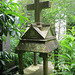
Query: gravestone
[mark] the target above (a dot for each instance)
(60, 28)
(38, 38)
(5, 45)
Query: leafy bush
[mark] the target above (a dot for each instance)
(8, 12)
(28, 59)
(67, 54)
(6, 59)
(14, 41)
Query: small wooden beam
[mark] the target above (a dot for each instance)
(20, 63)
(35, 59)
(30, 7)
(45, 5)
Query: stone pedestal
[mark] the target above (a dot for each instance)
(38, 69)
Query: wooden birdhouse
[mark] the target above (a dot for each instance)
(38, 38)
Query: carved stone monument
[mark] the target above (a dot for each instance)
(38, 37)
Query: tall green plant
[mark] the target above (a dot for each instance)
(67, 54)
(8, 12)
(5, 59)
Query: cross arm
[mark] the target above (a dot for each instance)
(30, 7)
(45, 4)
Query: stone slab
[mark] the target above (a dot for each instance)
(38, 70)
(6, 44)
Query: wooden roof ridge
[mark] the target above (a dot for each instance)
(42, 33)
(38, 30)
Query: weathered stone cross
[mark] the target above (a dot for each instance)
(38, 6)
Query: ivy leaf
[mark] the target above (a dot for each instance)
(12, 7)
(3, 63)
(16, 7)
(3, 38)
(11, 17)
(18, 33)
(2, 3)
(24, 18)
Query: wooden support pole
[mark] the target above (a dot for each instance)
(56, 59)
(20, 63)
(1, 47)
(35, 59)
(45, 63)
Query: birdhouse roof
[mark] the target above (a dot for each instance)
(34, 32)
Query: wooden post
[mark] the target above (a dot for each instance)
(45, 63)
(20, 54)
(1, 48)
(35, 59)
(56, 59)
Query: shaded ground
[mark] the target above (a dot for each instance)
(38, 70)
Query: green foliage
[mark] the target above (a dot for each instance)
(6, 58)
(23, 9)
(67, 54)
(60, 9)
(8, 12)
(28, 59)
(14, 42)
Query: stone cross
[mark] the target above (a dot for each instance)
(38, 6)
